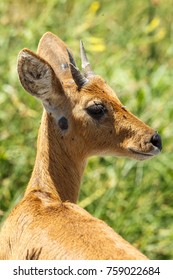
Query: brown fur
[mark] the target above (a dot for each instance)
(47, 224)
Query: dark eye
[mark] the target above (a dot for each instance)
(96, 111)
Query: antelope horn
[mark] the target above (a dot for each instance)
(79, 79)
(85, 63)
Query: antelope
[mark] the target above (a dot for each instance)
(82, 117)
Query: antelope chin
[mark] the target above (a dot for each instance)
(139, 155)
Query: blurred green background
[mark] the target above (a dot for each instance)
(130, 44)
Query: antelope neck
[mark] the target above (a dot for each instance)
(55, 171)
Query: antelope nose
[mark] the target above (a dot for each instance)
(156, 141)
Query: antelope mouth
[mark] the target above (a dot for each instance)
(142, 155)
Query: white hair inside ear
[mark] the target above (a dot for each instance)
(36, 75)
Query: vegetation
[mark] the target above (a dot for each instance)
(129, 43)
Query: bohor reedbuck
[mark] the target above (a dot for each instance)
(82, 117)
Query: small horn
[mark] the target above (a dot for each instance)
(79, 79)
(85, 63)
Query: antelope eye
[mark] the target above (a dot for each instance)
(96, 111)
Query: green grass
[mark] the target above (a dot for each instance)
(129, 43)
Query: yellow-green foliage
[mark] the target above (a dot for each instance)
(129, 43)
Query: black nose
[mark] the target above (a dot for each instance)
(156, 141)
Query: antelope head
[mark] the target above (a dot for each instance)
(85, 112)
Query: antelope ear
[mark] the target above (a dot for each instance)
(37, 76)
